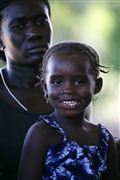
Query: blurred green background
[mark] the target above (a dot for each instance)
(96, 23)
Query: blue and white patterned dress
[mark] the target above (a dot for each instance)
(70, 161)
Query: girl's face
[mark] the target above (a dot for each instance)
(70, 85)
(26, 31)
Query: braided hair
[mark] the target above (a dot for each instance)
(71, 48)
(4, 4)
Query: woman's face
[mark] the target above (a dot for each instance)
(26, 31)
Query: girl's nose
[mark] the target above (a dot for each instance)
(68, 87)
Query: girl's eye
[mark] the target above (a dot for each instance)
(78, 82)
(41, 21)
(57, 82)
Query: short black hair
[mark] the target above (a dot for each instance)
(71, 47)
(5, 3)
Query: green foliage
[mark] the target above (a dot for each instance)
(94, 22)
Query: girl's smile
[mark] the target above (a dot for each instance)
(70, 83)
(71, 104)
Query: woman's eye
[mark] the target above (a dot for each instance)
(41, 21)
(18, 27)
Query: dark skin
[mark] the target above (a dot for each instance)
(26, 35)
(22, 30)
(70, 87)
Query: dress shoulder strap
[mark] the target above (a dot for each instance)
(105, 135)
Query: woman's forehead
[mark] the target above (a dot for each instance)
(18, 8)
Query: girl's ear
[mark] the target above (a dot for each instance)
(45, 90)
(98, 85)
(1, 44)
(43, 84)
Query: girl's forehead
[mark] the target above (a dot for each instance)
(75, 58)
(70, 63)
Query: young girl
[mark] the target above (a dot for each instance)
(64, 145)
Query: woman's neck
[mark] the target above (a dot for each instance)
(21, 77)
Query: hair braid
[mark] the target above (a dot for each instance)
(73, 47)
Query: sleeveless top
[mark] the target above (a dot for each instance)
(14, 125)
(70, 161)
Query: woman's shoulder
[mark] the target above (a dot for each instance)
(3, 94)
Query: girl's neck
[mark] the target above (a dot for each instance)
(21, 77)
(69, 121)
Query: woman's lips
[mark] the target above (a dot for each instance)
(37, 50)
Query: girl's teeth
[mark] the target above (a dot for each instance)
(70, 103)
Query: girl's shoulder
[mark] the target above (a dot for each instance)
(96, 127)
(98, 132)
(45, 133)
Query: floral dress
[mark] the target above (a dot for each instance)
(70, 161)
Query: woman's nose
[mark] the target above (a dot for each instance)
(33, 32)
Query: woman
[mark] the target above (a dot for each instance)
(25, 36)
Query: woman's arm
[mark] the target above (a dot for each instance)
(112, 162)
(33, 153)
